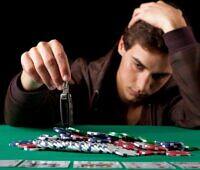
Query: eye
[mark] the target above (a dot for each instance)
(139, 66)
(157, 77)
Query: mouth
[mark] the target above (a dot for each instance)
(133, 92)
(137, 95)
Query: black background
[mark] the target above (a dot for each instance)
(85, 28)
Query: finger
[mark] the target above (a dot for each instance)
(61, 58)
(135, 13)
(148, 4)
(135, 19)
(28, 67)
(40, 68)
(180, 12)
(51, 64)
(161, 2)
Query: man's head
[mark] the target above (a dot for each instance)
(144, 66)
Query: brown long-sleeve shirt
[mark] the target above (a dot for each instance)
(95, 96)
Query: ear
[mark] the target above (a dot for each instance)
(121, 48)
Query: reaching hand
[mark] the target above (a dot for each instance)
(46, 64)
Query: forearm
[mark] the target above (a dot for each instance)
(184, 54)
(28, 108)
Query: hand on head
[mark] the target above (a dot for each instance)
(160, 15)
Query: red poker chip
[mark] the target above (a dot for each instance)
(78, 137)
(119, 142)
(28, 145)
(129, 146)
(177, 153)
(140, 145)
(145, 152)
(154, 147)
(159, 152)
(125, 145)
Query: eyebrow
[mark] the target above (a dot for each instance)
(139, 62)
(157, 74)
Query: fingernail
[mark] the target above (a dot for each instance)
(52, 88)
(65, 77)
(60, 87)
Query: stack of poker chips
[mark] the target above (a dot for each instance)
(73, 140)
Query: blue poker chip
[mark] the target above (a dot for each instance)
(172, 145)
(14, 143)
(17, 143)
(65, 137)
(97, 134)
(99, 140)
(61, 130)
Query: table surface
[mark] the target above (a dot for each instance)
(161, 133)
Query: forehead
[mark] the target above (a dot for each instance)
(154, 61)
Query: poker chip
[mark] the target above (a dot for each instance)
(126, 145)
(99, 140)
(177, 153)
(122, 144)
(61, 131)
(172, 145)
(97, 134)
(73, 130)
(115, 136)
(145, 152)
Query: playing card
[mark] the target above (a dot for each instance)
(187, 165)
(97, 164)
(10, 163)
(147, 165)
(44, 164)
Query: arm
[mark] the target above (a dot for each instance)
(185, 62)
(40, 107)
(184, 53)
(31, 98)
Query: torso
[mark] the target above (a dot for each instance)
(134, 115)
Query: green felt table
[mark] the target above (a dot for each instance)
(162, 133)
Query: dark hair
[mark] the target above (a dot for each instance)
(148, 36)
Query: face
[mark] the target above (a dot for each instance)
(141, 73)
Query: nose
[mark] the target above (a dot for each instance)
(143, 83)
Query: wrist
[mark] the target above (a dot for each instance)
(173, 26)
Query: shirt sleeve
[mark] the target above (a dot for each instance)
(184, 55)
(35, 108)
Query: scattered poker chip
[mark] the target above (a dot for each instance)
(99, 140)
(145, 152)
(172, 145)
(97, 134)
(114, 136)
(177, 153)
(32, 149)
(122, 144)
(128, 137)
(28, 145)
(61, 131)
(73, 130)
(126, 145)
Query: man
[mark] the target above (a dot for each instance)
(151, 78)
